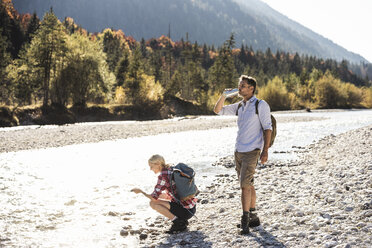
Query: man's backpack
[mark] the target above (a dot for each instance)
(184, 177)
(273, 122)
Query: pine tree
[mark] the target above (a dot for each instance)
(112, 47)
(223, 73)
(5, 59)
(32, 27)
(12, 30)
(296, 65)
(135, 72)
(143, 48)
(155, 64)
(206, 59)
(194, 86)
(4, 55)
(122, 69)
(242, 55)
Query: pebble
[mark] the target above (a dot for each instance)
(134, 232)
(112, 213)
(143, 236)
(361, 224)
(349, 209)
(124, 232)
(331, 244)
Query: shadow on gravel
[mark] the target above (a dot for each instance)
(266, 239)
(189, 239)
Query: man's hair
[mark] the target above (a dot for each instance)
(249, 80)
(158, 159)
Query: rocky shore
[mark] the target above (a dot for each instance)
(324, 199)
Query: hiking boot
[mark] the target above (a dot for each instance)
(179, 225)
(245, 224)
(254, 220)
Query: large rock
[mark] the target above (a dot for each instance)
(174, 106)
(55, 114)
(7, 118)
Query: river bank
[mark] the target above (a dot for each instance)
(36, 136)
(55, 114)
(322, 200)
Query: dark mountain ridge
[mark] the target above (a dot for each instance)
(253, 22)
(297, 37)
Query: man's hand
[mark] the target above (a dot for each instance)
(224, 93)
(136, 190)
(264, 156)
(219, 104)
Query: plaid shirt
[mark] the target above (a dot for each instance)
(163, 186)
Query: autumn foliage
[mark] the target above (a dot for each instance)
(50, 61)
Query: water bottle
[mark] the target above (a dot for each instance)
(231, 93)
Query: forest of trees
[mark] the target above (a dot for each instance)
(207, 21)
(52, 62)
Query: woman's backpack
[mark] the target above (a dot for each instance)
(184, 178)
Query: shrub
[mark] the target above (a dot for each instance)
(276, 95)
(367, 97)
(212, 99)
(354, 95)
(294, 101)
(119, 95)
(150, 91)
(329, 93)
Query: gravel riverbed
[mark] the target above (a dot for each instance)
(36, 137)
(322, 200)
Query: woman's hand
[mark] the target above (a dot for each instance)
(136, 190)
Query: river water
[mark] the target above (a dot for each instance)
(79, 195)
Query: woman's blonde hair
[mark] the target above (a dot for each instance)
(157, 159)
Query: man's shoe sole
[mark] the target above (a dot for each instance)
(176, 231)
(250, 225)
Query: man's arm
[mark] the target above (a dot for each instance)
(265, 119)
(265, 152)
(219, 104)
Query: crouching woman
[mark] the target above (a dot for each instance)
(164, 201)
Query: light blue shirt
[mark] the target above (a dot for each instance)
(250, 125)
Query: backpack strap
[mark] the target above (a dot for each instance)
(257, 102)
(171, 179)
(240, 104)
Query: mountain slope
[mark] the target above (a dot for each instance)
(205, 21)
(296, 36)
